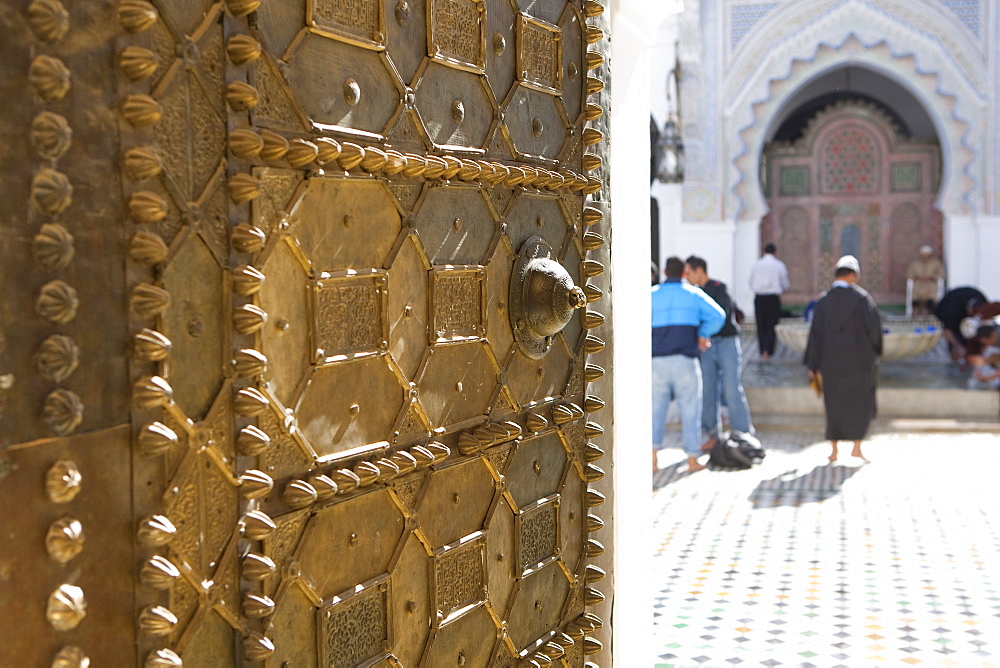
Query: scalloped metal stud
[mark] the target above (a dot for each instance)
(137, 63)
(592, 452)
(241, 96)
(142, 163)
(346, 479)
(159, 573)
(70, 656)
(141, 111)
(242, 49)
(247, 239)
(592, 344)
(592, 403)
(152, 392)
(592, 292)
(57, 357)
(252, 441)
(592, 111)
(156, 531)
(240, 8)
(592, 34)
(243, 188)
(62, 412)
(592, 473)
(248, 362)
(592, 498)
(593, 548)
(422, 455)
(157, 621)
(328, 150)
(53, 247)
(247, 280)
(254, 484)
(148, 301)
(591, 268)
(257, 647)
(258, 525)
(274, 145)
(301, 152)
(136, 15)
(325, 487)
(64, 539)
(66, 607)
(350, 156)
(245, 144)
(248, 318)
(257, 567)
(48, 19)
(367, 472)
(374, 160)
(155, 439)
(257, 606)
(63, 481)
(51, 191)
(151, 346)
(594, 523)
(592, 574)
(147, 248)
(50, 78)
(592, 320)
(51, 135)
(163, 658)
(405, 461)
(250, 402)
(439, 450)
(299, 494)
(147, 207)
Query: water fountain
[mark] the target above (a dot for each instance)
(902, 338)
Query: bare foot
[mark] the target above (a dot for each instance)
(693, 465)
(857, 453)
(832, 458)
(656, 462)
(709, 444)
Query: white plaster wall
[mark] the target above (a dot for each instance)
(633, 28)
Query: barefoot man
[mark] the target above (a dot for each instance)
(845, 342)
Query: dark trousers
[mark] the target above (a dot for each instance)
(767, 308)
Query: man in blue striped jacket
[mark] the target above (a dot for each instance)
(684, 320)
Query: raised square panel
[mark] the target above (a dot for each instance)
(460, 574)
(359, 22)
(539, 54)
(458, 33)
(538, 533)
(354, 628)
(458, 296)
(350, 316)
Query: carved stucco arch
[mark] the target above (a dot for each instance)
(830, 40)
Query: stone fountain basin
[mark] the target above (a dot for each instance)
(901, 339)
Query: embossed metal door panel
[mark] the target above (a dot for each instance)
(298, 331)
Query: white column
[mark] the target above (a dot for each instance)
(633, 24)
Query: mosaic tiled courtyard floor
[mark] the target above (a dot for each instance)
(799, 562)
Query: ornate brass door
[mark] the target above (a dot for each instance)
(297, 333)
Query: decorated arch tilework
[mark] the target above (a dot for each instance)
(742, 19)
(969, 12)
(848, 162)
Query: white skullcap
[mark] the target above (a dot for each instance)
(926, 250)
(848, 262)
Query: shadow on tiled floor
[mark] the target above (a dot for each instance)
(797, 562)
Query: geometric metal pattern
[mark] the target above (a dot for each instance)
(259, 391)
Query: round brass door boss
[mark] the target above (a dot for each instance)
(542, 298)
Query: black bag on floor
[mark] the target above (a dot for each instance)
(735, 452)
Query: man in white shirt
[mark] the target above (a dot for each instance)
(768, 279)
